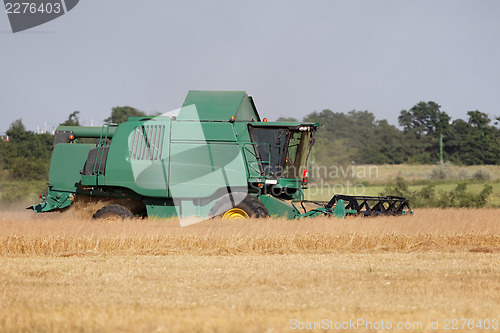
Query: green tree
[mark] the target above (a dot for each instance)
(478, 119)
(73, 119)
(425, 118)
(120, 114)
(422, 126)
(474, 141)
(27, 155)
(483, 141)
(16, 131)
(355, 137)
(288, 119)
(329, 148)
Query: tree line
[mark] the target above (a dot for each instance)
(356, 137)
(25, 155)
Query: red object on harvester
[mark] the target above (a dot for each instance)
(305, 177)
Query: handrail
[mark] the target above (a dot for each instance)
(257, 156)
(100, 149)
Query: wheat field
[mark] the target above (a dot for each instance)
(65, 272)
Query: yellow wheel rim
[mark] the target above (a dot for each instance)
(235, 214)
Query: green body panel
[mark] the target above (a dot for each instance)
(219, 106)
(138, 172)
(241, 130)
(247, 110)
(202, 132)
(89, 180)
(289, 183)
(279, 208)
(54, 200)
(199, 170)
(248, 151)
(185, 208)
(162, 208)
(68, 159)
(314, 212)
(339, 211)
(87, 131)
(65, 165)
(281, 124)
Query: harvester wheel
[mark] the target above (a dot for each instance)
(113, 212)
(246, 207)
(235, 214)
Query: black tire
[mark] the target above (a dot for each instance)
(252, 206)
(113, 211)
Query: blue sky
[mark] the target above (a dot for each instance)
(293, 57)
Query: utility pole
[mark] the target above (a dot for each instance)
(441, 148)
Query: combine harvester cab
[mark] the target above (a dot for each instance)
(214, 157)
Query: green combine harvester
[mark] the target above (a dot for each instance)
(212, 157)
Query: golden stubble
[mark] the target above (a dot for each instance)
(61, 272)
(428, 229)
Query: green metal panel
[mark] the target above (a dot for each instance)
(218, 106)
(289, 183)
(64, 175)
(339, 211)
(248, 149)
(282, 124)
(198, 170)
(242, 134)
(65, 165)
(202, 131)
(89, 180)
(140, 162)
(247, 110)
(87, 131)
(279, 208)
(163, 208)
(162, 211)
(53, 200)
(253, 168)
(187, 208)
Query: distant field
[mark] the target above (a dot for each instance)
(372, 179)
(21, 193)
(381, 174)
(352, 179)
(326, 191)
(63, 273)
(416, 172)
